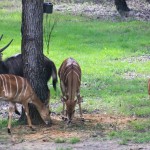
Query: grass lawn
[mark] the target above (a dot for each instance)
(114, 58)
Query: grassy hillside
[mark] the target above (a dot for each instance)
(114, 58)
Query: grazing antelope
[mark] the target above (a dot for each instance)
(70, 80)
(16, 89)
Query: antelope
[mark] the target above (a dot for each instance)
(70, 80)
(16, 89)
(2, 49)
(14, 65)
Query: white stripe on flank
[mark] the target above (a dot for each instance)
(8, 85)
(3, 84)
(10, 92)
(16, 86)
(67, 75)
(5, 81)
(25, 87)
(22, 87)
(77, 75)
(74, 72)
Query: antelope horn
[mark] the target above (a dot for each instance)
(1, 37)
(6, 45)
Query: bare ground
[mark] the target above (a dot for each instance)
(92, 135)
(106, 10)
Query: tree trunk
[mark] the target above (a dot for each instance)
(148, 1)
(32, 51)
(122, 7)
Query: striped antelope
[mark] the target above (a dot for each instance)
(70, 80)
(16, 89)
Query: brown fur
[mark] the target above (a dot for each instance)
(15, 89)
(70, 80)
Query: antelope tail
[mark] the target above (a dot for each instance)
(54, 76)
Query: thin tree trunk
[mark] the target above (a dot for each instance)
(32, 50)
(148, 1)
(122, 7)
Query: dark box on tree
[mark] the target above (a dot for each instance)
(47, 7)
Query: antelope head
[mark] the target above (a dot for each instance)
(45, 114)
(2, 49)
(70, 108)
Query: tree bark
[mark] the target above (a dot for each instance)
(148, 1)
(122, 7)
(32, 51)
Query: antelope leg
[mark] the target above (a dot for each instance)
(80, 109)
(10, 113)
(79, 103)
(64, 116)
(27, 114)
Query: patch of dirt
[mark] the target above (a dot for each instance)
(141, 59)
(106, 10)
(91, 134)
(136, 59)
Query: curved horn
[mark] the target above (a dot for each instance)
(1, 37)
(5, 46)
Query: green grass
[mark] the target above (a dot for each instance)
(60, 140)
(4, 123)
(74, 140)
(137, 131)
(104, 50)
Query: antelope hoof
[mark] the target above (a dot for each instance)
(48, 123)
(9, 132)
(64, 118)
(82, 119)
(32, 129)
